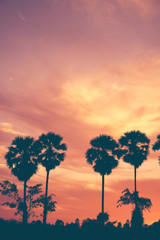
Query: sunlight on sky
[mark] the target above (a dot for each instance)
(7, 127)
(80, 69)
(81, 92)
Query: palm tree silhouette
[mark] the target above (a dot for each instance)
(141, 204)
(134, 150)
(103, 156)
(156, 146)
(129, 198)
(22, 160)
(52, 154)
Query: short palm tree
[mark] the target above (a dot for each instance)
(156, 145)
(103, 156)
(129, 198)
(134, 150)
(52, 154)
(22, 160)
(141, 204)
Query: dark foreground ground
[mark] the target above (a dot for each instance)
(17, 231)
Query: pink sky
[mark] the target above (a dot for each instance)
(80, 69)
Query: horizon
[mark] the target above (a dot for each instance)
(81, 69)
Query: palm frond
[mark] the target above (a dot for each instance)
(103, 154)
(52, 150)
(131, 198)
(135, 147)
(22, 157)
(92, 154)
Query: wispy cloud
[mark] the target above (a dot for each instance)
(3, 150)
(116, 87)
(7, 127)
(80, 69)
(22, 17)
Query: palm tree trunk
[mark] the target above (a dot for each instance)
(46, 200)
(103, 193)
(135, 186)
(103, 197)
(24, 204)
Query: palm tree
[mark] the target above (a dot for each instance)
(134, 150)
(156, 145)
(103, 155)
(141, 204)
(22, 160)
(52, 154)
(129, 198)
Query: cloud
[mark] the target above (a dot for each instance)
(144, 10)
(7, 127)
(3, 150)
(5, 172)
(80, 92)
(22, 17)
(80, 69)
(114, 86)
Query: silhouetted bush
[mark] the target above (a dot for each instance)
(137, 218)
(90, 229)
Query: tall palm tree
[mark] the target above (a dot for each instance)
(103, 155)
(156, 145)
(22, 160)
(52, 154)
(134, 150)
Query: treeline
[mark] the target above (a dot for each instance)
(89, 229)
(25, 154)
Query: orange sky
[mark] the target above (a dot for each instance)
(80, 69)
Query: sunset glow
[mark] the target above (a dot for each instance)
(81, 68)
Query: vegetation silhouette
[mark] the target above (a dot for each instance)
(103, 155)
(89, 229)
(156, 146)
(134, 150)
(127, 198)
(40, 202)
(25, 154)
(22, 160)
(33, 199)
(103, 217)
(51, 155)
(137, 219)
